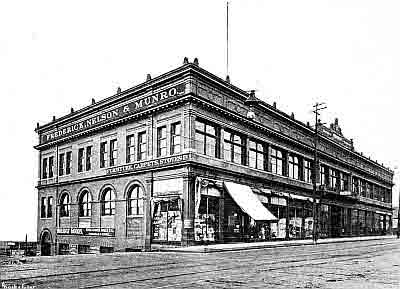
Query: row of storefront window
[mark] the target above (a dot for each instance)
(294, 220)
(135, 198)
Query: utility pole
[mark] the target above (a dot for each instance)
(317, 108)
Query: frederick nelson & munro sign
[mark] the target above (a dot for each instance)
(148, 164)
(116, 113)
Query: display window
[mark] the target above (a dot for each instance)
(167, 221)
(207, 221)
(295, 220)
(278, 229)
(325, 221)
(308, 221)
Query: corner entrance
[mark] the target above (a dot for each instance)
(45, 244)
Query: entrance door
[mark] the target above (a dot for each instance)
(336, 221)
(45, 244)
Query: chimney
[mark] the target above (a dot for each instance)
(93, 101)
(118, 90)
(185, 60)
(148, 77)
(196, 61)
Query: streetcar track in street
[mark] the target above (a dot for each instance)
(330, 256)
(352, 257)
(149, 265)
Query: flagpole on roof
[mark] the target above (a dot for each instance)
(227, 38)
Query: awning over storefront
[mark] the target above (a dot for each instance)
(248, 202)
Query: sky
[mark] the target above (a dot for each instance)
(55, 55)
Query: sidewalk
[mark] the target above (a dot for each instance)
(259, 245)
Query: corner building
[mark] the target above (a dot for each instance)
(188, 158)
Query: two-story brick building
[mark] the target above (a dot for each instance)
(187, 158)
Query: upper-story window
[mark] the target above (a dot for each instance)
(369, 190)
(49, 207)
(130, 148)
(294, 171)
(307, 171)
(81, 153)
(44, 168)
(88, 158)
(61, 164)
(85, 161)
(108, 202)
(48, 167)
(363, 188)
(64, 205)
(234, 147)
(64, 163)
(103, 154)
(68, 162)
(142, 146)
(344, 182)
(113, 152)
(334, 179)
(85, 204)
(276, 160)
(176, 138)
(135, 200)
(356, 187)
(256, 155)
(51, 167)
(43, 207)
(322, 175)
(162, 141)
(206, 138)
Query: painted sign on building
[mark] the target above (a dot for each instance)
(128, 108)
(148, 164)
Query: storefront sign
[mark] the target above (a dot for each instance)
(345, 193)
(148, 164)
(104, 232)
(116, 113)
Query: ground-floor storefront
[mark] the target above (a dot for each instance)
(182, 209)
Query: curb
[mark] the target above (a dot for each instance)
(267, 246)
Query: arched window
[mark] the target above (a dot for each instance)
(108, 202)
(135, 200)
(64, 205)
(85, 204)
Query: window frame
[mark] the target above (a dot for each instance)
(255, 150)
(130, 148)
(205, 136)
(50, 201)
(65, 205)
(162, 148)
(234, 144)
(88, 158)
(107, 205)
(85, 204)
(81, 157)
(176, 141)
(276, 161)
(293, 167)
(135, 204)
(142, 145)
(68, 162)
(113, 152)
(103, 154)
(307, 171)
